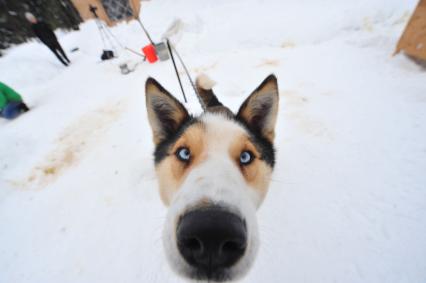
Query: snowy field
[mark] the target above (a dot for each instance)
(78, 196)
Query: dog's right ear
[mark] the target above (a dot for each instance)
(259, 111)
(165, 113)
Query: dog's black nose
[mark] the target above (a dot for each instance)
(211, 239)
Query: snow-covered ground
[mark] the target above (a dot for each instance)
(78, 196)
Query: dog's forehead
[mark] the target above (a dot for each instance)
(221, 130)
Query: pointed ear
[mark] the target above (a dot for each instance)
(165, 113)
(260, 109)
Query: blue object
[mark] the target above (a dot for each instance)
(11, 110)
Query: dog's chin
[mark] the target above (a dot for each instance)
(203, 275)
(198, 275)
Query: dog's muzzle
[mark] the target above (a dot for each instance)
(211, 240)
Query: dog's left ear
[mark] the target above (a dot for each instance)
(260, 109)
(165, 113)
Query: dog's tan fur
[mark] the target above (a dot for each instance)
(217, 159)
(198, 139)
(171, 172)
(258, 173)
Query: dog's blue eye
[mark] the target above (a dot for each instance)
(246, 157)
(183, 154)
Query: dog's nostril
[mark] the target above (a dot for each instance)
(211, 239)
(233, 246)
(192, 244)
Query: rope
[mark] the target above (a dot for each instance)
(186, 72)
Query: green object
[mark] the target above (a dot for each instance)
(8, 95)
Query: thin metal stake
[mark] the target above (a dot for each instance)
(134, 52)
(146, 32)
(176, 70)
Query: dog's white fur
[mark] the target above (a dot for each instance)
(215, 176)
(219, 180)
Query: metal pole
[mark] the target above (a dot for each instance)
(176, 70)
(146, 32)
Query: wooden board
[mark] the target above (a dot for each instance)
(413, 40)
(82, 7)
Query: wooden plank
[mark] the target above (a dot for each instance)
(413, 40)
(82, 7)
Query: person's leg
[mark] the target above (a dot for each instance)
(55, 51)
(59, 47)
(11, 110)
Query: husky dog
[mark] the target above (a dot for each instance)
(213, 173)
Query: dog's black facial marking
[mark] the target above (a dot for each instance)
(262, 144)
(162, 149)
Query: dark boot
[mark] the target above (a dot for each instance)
(56, 52)
(59, 48)
(24, 107)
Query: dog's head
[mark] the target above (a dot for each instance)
(213, 173)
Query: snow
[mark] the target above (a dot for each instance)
(78, 196)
